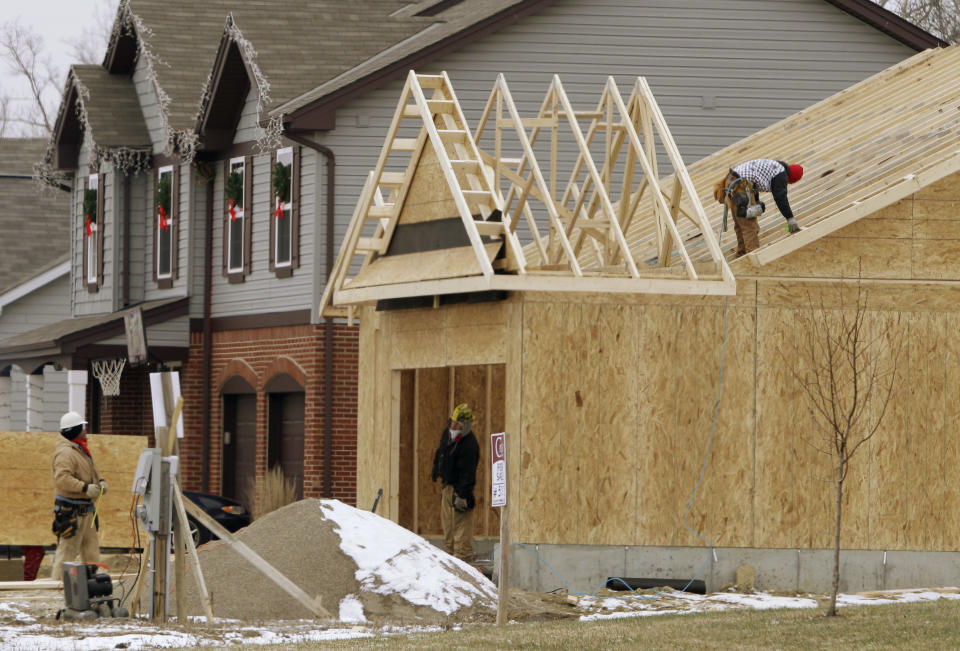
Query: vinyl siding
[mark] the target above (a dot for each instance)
(261, 290)
(45, 305)
(174, 332)
(104, 300)
(139, 261)
(144, 211)
(247, 128)
(720, 71)
(147, 94)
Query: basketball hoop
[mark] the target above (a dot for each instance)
(108, 372)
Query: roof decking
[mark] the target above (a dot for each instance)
(862, 149)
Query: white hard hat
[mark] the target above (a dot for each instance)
(71, 419)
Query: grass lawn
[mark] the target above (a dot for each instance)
(931, 625)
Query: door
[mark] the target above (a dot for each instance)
(239, 447)
(286, 430)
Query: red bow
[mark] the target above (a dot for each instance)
(233, 213)
(278, 213)
(164, 224)
(89, 226)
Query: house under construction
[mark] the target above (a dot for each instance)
(591, 311)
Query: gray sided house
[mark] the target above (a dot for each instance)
(34, 273)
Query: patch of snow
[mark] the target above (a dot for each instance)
(763, 601)
(351, 609)
(393, 560)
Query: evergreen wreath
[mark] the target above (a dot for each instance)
(281, 181)
(234, 189)
(163, 193)
(90, 204)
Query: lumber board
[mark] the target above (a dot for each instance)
(26, 474)
(424, 265)
(369, 441)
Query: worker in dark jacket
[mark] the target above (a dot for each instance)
(764, 175)
(455, 463)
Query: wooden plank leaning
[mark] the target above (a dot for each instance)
(291, 588)
(191, 554)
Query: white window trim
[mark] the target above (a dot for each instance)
(93, 183)
(160, 172)
(276, 226)
(231, 224)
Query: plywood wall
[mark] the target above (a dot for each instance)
(26, 482)
(609, 400)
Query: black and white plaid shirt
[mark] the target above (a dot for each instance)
(761, 171)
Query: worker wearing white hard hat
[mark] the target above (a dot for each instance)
(78, 486)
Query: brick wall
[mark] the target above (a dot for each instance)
(258, 355)
(131, 412)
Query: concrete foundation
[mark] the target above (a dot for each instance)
(585, 568)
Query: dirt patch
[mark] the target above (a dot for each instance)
(305, 544)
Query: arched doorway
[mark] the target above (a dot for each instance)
(239, 439)
(286, 405)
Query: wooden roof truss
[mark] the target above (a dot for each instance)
(568, 241)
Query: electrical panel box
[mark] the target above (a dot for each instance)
(141, 478)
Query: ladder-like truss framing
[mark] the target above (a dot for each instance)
(579, 242)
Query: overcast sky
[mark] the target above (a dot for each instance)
(57, 21)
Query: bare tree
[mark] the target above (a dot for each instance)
(849, 378)
(939, 17)
(22, 50)
(90, 45)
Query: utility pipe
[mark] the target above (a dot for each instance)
(327, 321)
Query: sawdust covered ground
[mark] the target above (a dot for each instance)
(304, 545)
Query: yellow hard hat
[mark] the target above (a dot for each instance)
(462, 413)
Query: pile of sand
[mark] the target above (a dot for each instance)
(363, 568)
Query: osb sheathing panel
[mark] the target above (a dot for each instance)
(765, 483)
(27, 482)
(429, 197)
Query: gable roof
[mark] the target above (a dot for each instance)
(468, 21)
(34, 222)
(108, 106)
(862, 150)
(332, 42)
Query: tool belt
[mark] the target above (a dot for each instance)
(66, 516)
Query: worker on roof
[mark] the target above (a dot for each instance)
(78, 486)
(455, 462)
(740, 191)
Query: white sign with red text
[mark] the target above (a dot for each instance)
(498, 471)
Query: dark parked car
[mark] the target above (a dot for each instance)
(229, 514)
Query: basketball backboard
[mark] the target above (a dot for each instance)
(136, 337)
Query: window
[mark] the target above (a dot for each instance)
(92, 231)
(238, 214)
(164, 218)
(91, 199)
(284, 211)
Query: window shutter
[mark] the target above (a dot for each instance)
(101, 227)
(247, 212)
(226, 218)
(152, 202)
(175, 228)
(270, 218)
(295, 210)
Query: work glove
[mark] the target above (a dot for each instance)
(459, 504)
(103, 486)
(792, 225)
(92, 490)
